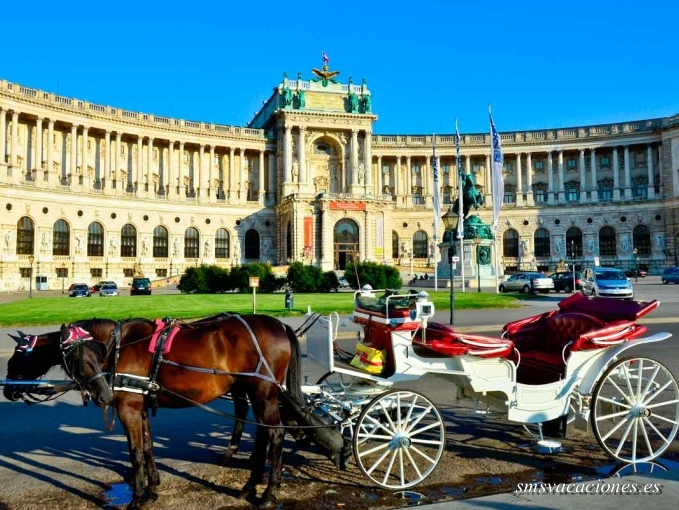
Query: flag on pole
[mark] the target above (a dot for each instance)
(326, 60)
(460, 180)
(497, 162)
(437, 198)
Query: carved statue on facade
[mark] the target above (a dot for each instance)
(175, 249)
(591, 245)
(353, 101)
(361, 173)
(367, 103)
(301, 95)
(206, 248)
(113, 245)
(295, 171)
(287, 97)
(8, 238)
(558, 245)
(145, 246)
(79, 243)
(44, 241)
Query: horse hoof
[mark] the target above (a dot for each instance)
(266, 503)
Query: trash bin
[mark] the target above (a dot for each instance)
(289, 299)
(41, 282)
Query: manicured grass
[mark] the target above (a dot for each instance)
(57, 310)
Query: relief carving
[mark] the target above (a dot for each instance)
(321, 183)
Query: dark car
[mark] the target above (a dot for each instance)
(79, 290)
(563, 281)
(140, 286)
(95, 288)
(636, 273)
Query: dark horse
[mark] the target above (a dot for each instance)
(247, 355)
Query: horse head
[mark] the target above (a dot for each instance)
(86, 357)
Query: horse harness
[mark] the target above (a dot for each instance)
(160, 344)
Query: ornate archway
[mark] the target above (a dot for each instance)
(345, 243)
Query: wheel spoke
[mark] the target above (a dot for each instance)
(641, 379)
(615, 402)
(668, 420)
(660, 404)
(625, 369)
(655, 429)
(624, 437)
(646, 439)
(651, 380)
(615, 385)
(614, 429)
(657, 392)
(634, 439)
(414, 464)
(610, 416)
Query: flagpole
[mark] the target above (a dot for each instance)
(492, 191)
(497, 185)
(460, 221)
(436, 214)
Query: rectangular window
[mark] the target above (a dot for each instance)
(129, 273)
(508, 166)
(539, 165)
(572, 163)
(446, 171)
(573, 194)
(605, 193)
(417, 199)
(640, 190)
(385, 169)
(161, 273)
(639, 159)
(605, 161)
(62, 272)
(476, 168)
(96, 272)
(416, 169)
(539, 196)
(509, 197)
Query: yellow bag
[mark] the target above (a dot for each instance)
(369, 359)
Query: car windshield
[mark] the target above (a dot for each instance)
(81, 287)
(610, 275)
(108, 287)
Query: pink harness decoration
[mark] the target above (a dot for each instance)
(75, 334)
(162, 327)
(29, 345)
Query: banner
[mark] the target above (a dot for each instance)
(437, 198)
(497, 162)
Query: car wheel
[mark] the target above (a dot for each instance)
(502, 289)
(664, 282)
(566, 288)
(526, 289)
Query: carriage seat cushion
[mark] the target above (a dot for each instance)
(472, 345)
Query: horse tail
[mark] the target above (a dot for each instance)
(294, 374)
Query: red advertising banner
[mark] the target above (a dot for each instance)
(348, 206)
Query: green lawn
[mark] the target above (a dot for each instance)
(57, 310)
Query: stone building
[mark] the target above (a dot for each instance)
(94, 192)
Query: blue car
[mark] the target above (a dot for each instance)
(79, 290)
(670, 275)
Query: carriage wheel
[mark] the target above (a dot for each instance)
(635, 409)
(399, 439)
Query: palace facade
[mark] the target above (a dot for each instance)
(93, 192)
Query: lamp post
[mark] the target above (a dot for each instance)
(573, 260)
(31, 259)
(636, 263)
(63, 275)
(477, 242)
(449, 220)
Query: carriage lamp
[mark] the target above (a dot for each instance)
(31, 259)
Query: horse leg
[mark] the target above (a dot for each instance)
(257, 463)
(152, 475)
(130, 414)
(240, 409)
(274, 435)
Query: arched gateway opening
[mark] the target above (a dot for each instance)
(345, 243)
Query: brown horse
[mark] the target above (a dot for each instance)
(253, 355)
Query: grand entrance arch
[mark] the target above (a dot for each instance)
(345, 242)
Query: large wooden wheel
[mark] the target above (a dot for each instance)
(635, 409)
(399, 439)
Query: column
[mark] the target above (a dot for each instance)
(106, 172)
(171, 179)
(408, 195)
(379, 176)
(242, 177)
(121, 181)
(84, 159)
(181, 181)
(616, 175)
(301, 155)
(550, 179)
(562, 194)
(232, 176)
(488, 198)
(260, 179)
(519, 180)
(595, 183)
(530, 200)
(398, 185)
(16, 173)
(37, 163)
(427, 182)
(368, 162)
(3, 140)
(326, 241)
(73, 166)
(467, 164)
(354, 157)
(628, 180)
(138, 170)
(211, 177)
(272, 180)
(651, 173)
(287, 154)
(49, 165)
(152, 191)
(199, 179)
(583, 178)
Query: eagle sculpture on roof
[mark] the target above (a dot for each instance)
(323, 74)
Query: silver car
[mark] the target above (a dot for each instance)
(527, 283)
(108, 289)
(606, 282)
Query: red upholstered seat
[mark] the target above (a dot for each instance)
(471, 345)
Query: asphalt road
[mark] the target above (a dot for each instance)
(62, 448)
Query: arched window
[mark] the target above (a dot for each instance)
(61, 238)
(191, 243)
(128, 241)
(574, 243)
(95, 240)
(420, 245)
(541, 242)
(641, 240)
(607, 242)
(252, 244)
(510, 243)
(395, 249)
(161, 241)
(25, 236)
(222, 244)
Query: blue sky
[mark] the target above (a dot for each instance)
(540, 64)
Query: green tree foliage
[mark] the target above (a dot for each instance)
(379, 276)
(304, 278)
(214, 279)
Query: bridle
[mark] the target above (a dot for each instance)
(72, 348)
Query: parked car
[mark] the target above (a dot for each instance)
(606, 282)
(521, 282)
(140, 286)
(108, 289)
(563, 281)
(95, 288)
(636, 273)
(670, 275)
(79, 290)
